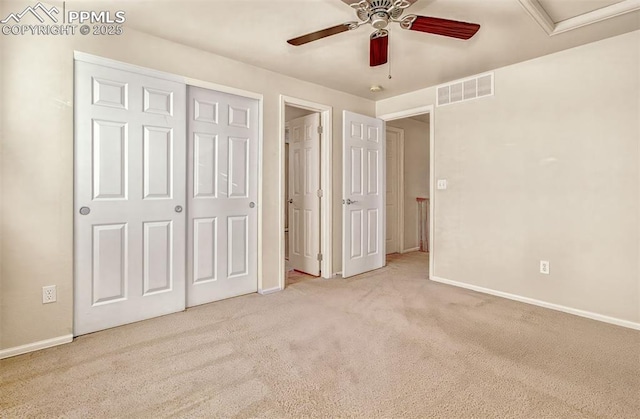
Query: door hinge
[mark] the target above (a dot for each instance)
(319, 129)
(319, 257)
(319, 193)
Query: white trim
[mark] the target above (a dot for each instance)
(533, 301)
(326, 183)
(223, 89)
(540, 15)
(119, 65)
(269, 291)
(432, 191)
(535, 10)
(260, 195)
(35, 346)
(430, 109)
(400, 184)
(406, 113)
(412, 249)
(401, 192)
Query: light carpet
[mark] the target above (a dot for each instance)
(385, 344)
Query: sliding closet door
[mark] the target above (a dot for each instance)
(129, 197)
(223, 191)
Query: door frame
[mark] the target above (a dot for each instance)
(121, 65)
(400, 180)
(430, 109)
(326, 179)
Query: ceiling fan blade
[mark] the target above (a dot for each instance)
(444, 27)
(378, 48)
(314, 36)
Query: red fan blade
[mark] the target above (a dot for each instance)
(378, 48)
(314, 36)
(444, 27)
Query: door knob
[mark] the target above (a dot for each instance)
(291, 201)
(178, 208)
(85, 211)
(349, 201)
(252, 204)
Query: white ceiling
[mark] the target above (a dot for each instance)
(559, 10)
(255, 32)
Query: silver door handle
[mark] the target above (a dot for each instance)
(178, 208)
(85, 211)
(252, 204)
(349, 201)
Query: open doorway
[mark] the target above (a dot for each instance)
(410, 182)
(305, 195)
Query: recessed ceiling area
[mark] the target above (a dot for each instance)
(424, 118)
(256, 31)
(559, 10)
(560, 17)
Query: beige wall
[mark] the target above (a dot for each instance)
(291, 113)
(37, 163)
(548, 168)
(416, 174)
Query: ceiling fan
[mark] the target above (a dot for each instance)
(378, 13)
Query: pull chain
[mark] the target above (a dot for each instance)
(389, 59)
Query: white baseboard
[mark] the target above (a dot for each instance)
(269, 291)
(552, 306)
(413, 249)
(35, 346)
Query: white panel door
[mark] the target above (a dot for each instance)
(393, 156)
(304, 202)
(129, 193)
(363, 175)
(222, 190)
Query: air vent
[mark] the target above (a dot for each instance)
(475, 87)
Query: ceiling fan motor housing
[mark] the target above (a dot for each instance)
(380, 20)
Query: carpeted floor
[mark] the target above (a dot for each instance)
(384, 344)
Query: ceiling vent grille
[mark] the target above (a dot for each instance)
(475, 87)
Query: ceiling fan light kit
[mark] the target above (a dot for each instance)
(379, 13)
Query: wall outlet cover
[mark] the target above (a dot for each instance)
(49, 294)
(544, 267)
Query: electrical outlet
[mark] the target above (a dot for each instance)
(544, 267)
(49, 294)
